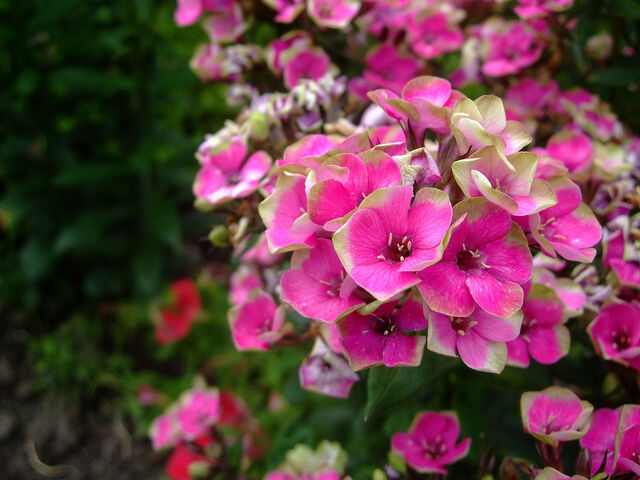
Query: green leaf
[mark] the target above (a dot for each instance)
(626, 8)
(165, 222)
(617, 77)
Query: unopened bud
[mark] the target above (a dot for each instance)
(219, 236)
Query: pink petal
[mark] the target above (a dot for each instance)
(444, 289)
(442, 338)
(482, 354)
(402, 350)
(496, 328)
(509, 258)
(502, 299)
(547, 345)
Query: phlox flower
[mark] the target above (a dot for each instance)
(332, 13)
(288, 10)
(568, 291)
(284, 213)
(344, 180)
(242, 282)
(280, 49)
(430, 443)
(311, 64)
(543, 334)
(483, 122)
(431, 34)
(379, 338)
(389, 238)
(528, 97)
(599, 442)
(508, 182)
(627, 451)
(209, 62)
(197, 411)
(510, 49)
(539, 8)
(326, 372)
(259, 254)
(227, 173)
(306, 154)
(317, 286)
(183, 462)
(555, 415)
(569, 228)
(615, 333)
(225, 25)
(575, 150)
(387, 67)
(574, 101)
(485, 262)
(326, 462)
(164, 431)
(189, 11)
(257, 323)
(479, 338)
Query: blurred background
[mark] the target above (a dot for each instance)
(100, 116)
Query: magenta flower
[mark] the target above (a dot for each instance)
(543, 334)
(257, 323)
(310, 64)
(242, 282)
(326, 372)
(197, 411)
(511, 50)
(615, 333)
(485, 262)
(332, 13)
(430, 443)
(344, 180)
(210, 62)
(599, 442)
(306, 154)
(431, 35)
(280, 49)
(225, 25)
(627, 453)
(378, 338)
(259, 253)
(479, 338)
(508, 182)
(288, 10)
(529, 98)
(164, 431)
(569, 228)
(569, 292)
(575, 150)
(284, 213)
(227, 174)
(316, 286)
(555, 415)
(389, 68)
(539, 8)
(189, 11)
(389, 238)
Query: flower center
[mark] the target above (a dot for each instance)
(384, 326)
(234, 179)
(397, 249)
(435, 449)
(470, 260)
(334, 284)
(461, 325)
(620, 339)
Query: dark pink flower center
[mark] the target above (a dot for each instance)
(234, 179)
(470, 260)
(334, 284)
(461, 325)
(384, 325)
(620, 339)
(434, 449)
(397, 249)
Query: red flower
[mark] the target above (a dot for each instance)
(175, 320)
(180, 461)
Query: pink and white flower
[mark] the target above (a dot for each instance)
(326, 372)
(257, 323)
(615, 333)
(599, 442)
(332, 13)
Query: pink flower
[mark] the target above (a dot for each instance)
(176, 319)
(627, 458)
(539, 8)
(378, 338)
(306, 154)
(615, 333)
(529, 98)
(257, 323)
(288, 10)
(479, 338)
(543, 334)
(599, 442)
(568, 291)
(284, 213)
(332, 13)
(555, 415)
(431, 35)
(430, 443)
(511, 50)
(569, 228)
(225, 25)
(197, 411)
(389, 238)
(388, 68)
(485, 262)
(189, 11)
(309, 63)
(227, 174)
(164, 431)
(259, 253)
(242, 282)
(575, 150)
(317, 286)
(210, 63)
(344, 180)
(508, 182)
(326, 372)
(574, 101)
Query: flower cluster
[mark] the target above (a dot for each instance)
(200, 427)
